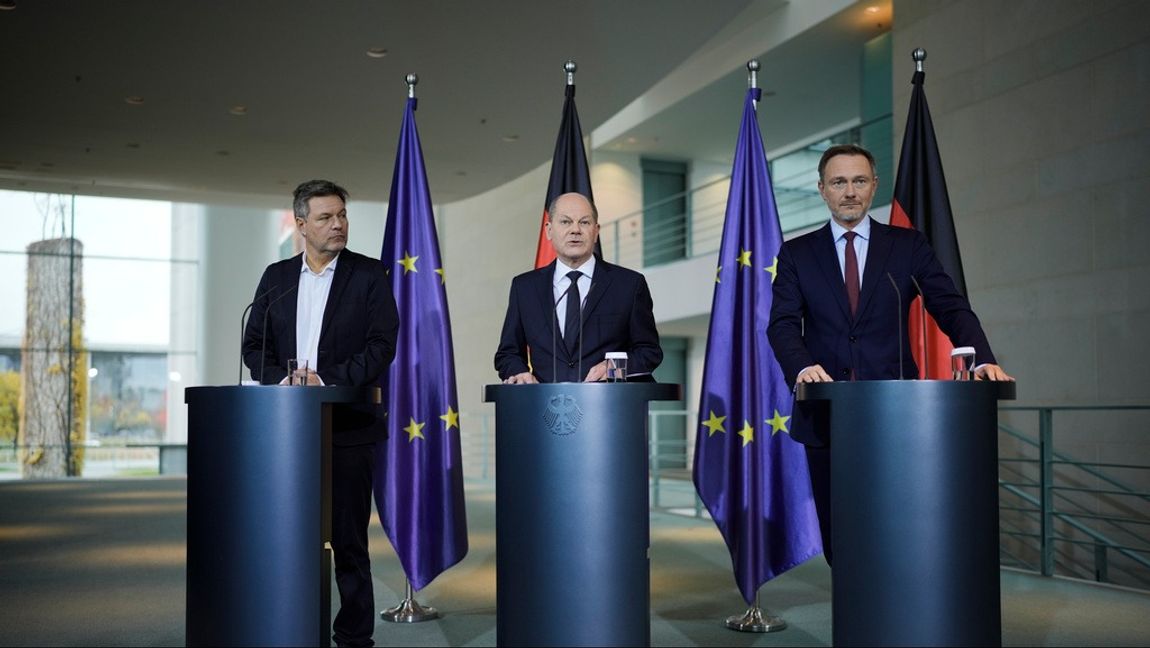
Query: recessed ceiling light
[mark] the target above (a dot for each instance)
(133, 145)
(872, 9)
(460, 173)
(134, 100)
(223, 153)
(510, 138)
(238, 110)
(7, 5)
(377, 52)
(631, 140)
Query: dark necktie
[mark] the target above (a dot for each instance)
(574, 311)
(851, 276)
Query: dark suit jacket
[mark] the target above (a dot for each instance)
(810, 316)
(356, 342)
(617, 316)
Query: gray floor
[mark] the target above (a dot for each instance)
(102, 563)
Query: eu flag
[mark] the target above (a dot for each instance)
(749, 473)
(419, 488)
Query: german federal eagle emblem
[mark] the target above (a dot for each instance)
(563, 415)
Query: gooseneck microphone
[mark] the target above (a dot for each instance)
(243, 329)
(555, 331)
(264, 337)
(922, 317)
(898, 318)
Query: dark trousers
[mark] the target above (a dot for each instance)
(819, 464)
(351, 493)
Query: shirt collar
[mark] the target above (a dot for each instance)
(862, 229)
(304, 267)
(561, 269)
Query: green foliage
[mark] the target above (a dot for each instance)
(9, 406)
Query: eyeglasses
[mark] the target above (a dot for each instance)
(859, 184)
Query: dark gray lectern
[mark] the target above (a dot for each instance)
(259, 477)
(914, 507)
(571, 513)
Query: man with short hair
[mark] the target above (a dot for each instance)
(834, 314)
(343, 321)
(575, 310)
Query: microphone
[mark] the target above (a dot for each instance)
(555, 331)
(243, 329)
(898, 318)
(922, 317)
(264, 337)
(579, 369)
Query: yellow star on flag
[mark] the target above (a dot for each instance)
(773, 269)
(745, 258)
(442, 276)
(778, 423)
(414, 430)
(715, 424)
(748, 433)
(717, 271)
(451, 418)
(408, 262)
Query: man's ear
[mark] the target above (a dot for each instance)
(547, 228)
(299, 223)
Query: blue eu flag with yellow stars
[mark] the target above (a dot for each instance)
(419, 470)
(749, 473)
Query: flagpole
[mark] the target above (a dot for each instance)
(409, 610)
(754, 619)
(919, 55)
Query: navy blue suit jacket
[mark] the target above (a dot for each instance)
(617, 316)
(810, 316)
(357, 338)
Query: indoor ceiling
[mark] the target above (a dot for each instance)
(138, 97)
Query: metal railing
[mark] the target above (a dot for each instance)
(1064, 515)
(698, 230)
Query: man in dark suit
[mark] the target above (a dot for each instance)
(572, 312)
(334, 309)
(836, 314)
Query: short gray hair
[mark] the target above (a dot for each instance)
(312, 189)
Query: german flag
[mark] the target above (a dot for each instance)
(568, 173)
(921, 201)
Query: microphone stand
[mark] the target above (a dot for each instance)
(555, 332)
(243, 330)
(264, 337)
(898, 318)
(922, 317)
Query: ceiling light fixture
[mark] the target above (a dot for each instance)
(7, 5)
(510, 138)
(377, 52)
(238, 110)
(872, 9)
(134, 100)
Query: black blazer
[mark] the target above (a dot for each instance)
(617, 316)
(356, 343)
(810, 316)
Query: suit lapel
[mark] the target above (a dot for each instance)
(343, 271)
(828, 260)
(290, 281)
(874, 274)
(545, 290)
(600, 284)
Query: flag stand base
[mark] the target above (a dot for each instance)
(409, 611)
(753, 620)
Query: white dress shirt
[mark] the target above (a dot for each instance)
(560, 282)
(862, 243)
(311, 301)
